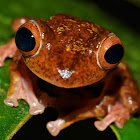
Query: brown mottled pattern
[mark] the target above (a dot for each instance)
(67, 57)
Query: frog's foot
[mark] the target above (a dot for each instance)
(35, 107)
(22, 91)
(54, 127)
(22, 88)
(118, 114)
(7, 50)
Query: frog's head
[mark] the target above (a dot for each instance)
(45, 55)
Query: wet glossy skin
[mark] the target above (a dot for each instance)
(70, 53)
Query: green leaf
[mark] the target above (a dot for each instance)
(130, 131)
(11, 119)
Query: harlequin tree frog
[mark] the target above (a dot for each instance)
(80, 62)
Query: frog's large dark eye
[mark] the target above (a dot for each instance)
(28, 38)
(25, 40)
(110, 53)
(114, 54)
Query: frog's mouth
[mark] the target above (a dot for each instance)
(110, 53)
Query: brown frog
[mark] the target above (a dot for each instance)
(79, 62)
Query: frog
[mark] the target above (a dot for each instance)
(79, 64)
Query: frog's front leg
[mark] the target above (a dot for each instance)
(7, 50)
(80, 113)
(119, 99)
(54, 127)
(21, 86)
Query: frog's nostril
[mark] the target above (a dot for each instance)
(114, 54)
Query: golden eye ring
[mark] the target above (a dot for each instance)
(111, 52)
(28, 39)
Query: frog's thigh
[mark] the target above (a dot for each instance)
(18, 22)
(129, 91)
(21, 87)
(121, 83)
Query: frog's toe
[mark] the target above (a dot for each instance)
(1, 63)
(11, 102)
(54, 127)
(7, 50)
(36, 109)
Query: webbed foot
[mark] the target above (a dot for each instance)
(118, 114)
(22, 86)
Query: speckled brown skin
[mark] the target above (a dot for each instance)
(66, 44)
(72, 49)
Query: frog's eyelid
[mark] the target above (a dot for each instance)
(109, 35)
(40, 39)
(34, 23)
(99, 45)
